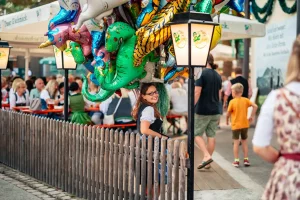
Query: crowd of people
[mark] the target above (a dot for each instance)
(213, 95)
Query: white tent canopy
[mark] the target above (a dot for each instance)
(239, 28)
(28, 27)
(25, 30)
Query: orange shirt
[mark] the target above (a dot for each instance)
(239, 108)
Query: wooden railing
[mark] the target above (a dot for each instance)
(92, 163)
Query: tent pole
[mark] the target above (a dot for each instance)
(27, 60)
(246, 44)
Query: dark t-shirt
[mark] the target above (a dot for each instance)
(211, 83)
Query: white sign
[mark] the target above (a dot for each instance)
(272, 53)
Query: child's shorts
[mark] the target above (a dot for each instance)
(240, 132)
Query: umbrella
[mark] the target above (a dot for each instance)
(48, 61)
(238, 28)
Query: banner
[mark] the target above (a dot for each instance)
(272, 53)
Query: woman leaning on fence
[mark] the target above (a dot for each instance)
(148, 118)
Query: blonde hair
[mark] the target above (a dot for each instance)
(51, 87)
(293, 69)
(15, 83)
(19, 84)
(238, 88)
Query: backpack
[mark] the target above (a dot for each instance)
(36, 104)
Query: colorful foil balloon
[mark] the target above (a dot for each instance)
(121, 37)
(94, 8)
(77, 52)
(149, 9)
(101, 57)
(156, 32)
(60, 34)
(134, 8)
(68, 12)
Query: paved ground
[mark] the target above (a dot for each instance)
(8, 191)
(15, 185)
(252, 179)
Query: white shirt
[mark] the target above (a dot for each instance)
(148, 115)
(20, 99)
(132, 98)
(4, 93)
(178, 97)
(265, 127)
(104, 105)
(45, 95)
(11, 91)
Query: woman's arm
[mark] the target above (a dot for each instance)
(12, 100)
(147, 131)
(267, 153)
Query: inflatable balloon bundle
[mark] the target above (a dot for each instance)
(121, 41)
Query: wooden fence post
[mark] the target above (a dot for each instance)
(97, 166)
(92, 191)
(131, 165)
(120, 166)
(156, 168)
(170, 169)
(143, 167)
(150, 169)
(102, 152)
(163, 168)
(115, 172)
(182, 170)
(111, 164)
(175, 171)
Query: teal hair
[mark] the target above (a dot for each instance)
(163, 103)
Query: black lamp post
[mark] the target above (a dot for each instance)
(4, 55)
(65, 60)
(192, 34)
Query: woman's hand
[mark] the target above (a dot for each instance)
(164, 137)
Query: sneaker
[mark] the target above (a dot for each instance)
(246, 162)
(236, 163)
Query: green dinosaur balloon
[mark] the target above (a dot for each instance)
(121, 37)
(107, 74)
(77, 52)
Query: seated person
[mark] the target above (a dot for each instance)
(77, 105)
(98, 116)
(178, 98)
(39, 86)
(121, 108)
(3, 89)
(48, 94)
(60, 94)
(18, 98)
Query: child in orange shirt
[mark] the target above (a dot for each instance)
(237, 111)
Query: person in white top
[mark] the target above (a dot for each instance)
(49, 93)
(18, 98)
(280, 114)
(3, 89)
(178, 98)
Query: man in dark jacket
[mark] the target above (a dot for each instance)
(247, 93)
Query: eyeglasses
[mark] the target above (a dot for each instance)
(152, 93)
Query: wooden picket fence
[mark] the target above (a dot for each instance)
(92, 163)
